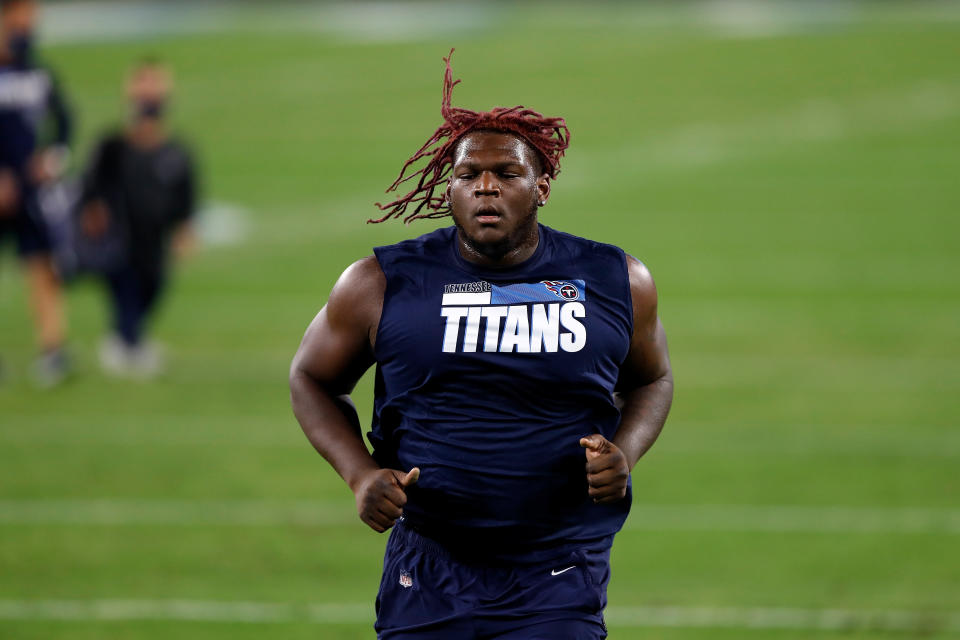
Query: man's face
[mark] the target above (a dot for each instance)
(18, 19)
(149, 85)
(494, 190)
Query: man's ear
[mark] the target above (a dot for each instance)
(543, 189)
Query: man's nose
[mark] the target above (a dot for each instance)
(487, 185)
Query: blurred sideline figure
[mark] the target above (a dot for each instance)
(29, 102)
(137, 200)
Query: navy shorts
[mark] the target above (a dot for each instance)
(427, 594)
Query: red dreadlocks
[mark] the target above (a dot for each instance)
(549, 136)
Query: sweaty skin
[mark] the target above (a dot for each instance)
(494, 191)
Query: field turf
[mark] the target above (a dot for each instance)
(791, 183)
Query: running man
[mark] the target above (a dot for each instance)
(521, 372)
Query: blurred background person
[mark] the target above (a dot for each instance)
(137, 201)
(30, 102)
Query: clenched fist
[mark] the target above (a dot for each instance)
(381, 496)
(607, 469)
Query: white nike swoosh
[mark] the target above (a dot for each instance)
(556, 573)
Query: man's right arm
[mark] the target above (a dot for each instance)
(336, 350)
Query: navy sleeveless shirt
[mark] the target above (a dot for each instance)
(488, 378)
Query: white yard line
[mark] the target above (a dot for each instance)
(643, 517)
(794, 519)
(184, 610)
(174, 512)
(358, 613)
(782, 618)
(683, 438)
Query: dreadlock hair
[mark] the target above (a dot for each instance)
(549, 137)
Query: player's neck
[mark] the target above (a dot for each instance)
(512, 251)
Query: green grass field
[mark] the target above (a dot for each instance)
(794, 189)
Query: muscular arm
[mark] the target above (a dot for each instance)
(644, 394)
(336, 350)
(645, 388)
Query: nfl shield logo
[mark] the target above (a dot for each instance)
(405, 580)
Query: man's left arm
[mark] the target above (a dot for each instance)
(644, 394)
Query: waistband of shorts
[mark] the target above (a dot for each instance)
(406, 533)
(409, 534)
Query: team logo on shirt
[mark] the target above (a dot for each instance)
(405, 580)
(561, 289)
(529, 317)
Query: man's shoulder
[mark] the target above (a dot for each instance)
(637, 277)
(440, 235)
(360, 284)
(425, 244)
(578, 245)
(108, 151)
(362, 273)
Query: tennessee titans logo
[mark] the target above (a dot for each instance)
(561, 289)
